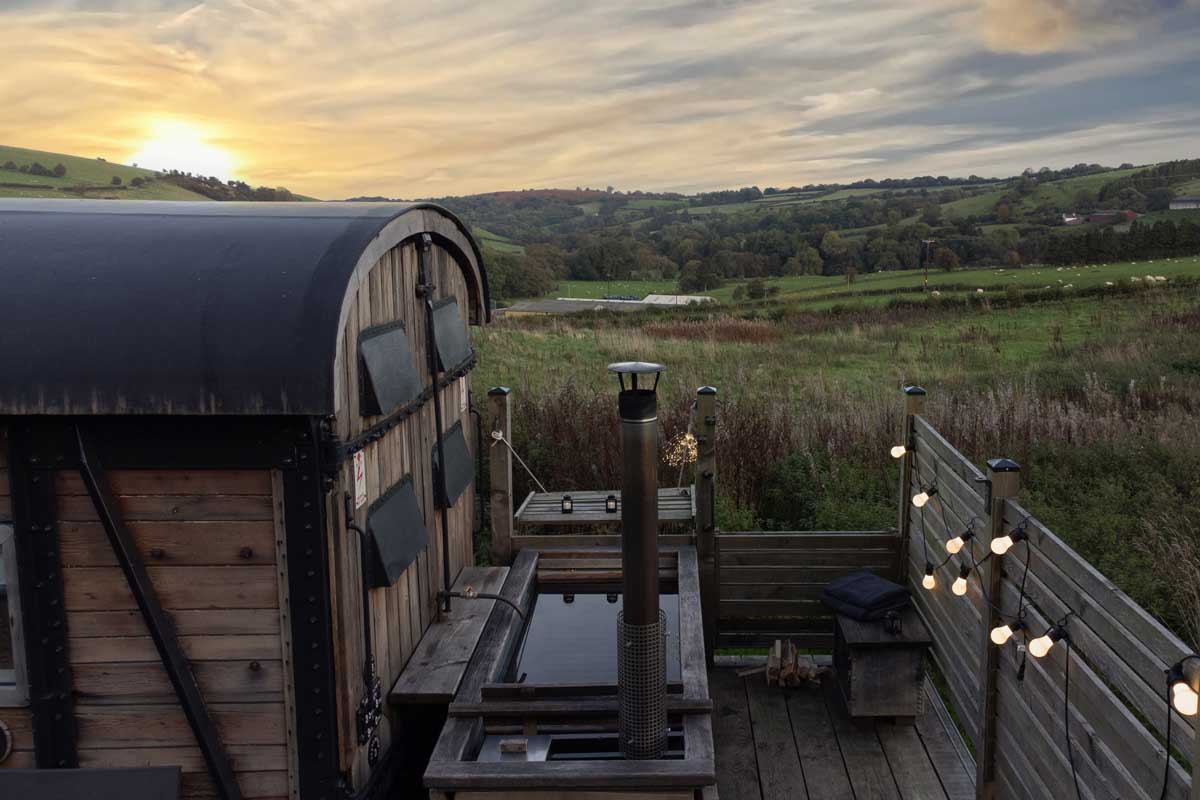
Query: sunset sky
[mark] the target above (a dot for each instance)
(361, 97)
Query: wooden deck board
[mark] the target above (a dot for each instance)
(774, 742)
(779, 773)
(545, 508)
(737, 766)
(437, 665)
(812, 731)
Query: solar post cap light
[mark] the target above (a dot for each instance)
(641, 624)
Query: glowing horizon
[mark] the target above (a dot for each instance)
(377, 99)
(184, 146)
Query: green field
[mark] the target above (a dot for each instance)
(88, 177)
(496, 242)
(1095, 396)
(877, 288)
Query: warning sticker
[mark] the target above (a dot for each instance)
(360, 479)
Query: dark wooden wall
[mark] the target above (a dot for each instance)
(209, 542)
(400, 613)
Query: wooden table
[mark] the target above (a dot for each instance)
(545, 508)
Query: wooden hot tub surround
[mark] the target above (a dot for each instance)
(486, 703)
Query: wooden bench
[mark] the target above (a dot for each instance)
(881, 674)
(436, 668)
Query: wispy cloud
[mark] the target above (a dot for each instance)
(406, 99)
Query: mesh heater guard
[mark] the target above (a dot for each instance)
(642, 687)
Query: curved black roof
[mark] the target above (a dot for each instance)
(128, 307)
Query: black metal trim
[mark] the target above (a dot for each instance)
(35, 531)
(425, 290)
(379, 429)
(311, 614)
(178, 667)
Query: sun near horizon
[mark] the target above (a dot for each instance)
(172, 143)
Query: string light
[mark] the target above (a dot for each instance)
(1040, 646)
(1003, 632)
(929, 582)
(959, 587)
(1002, 544)
(1183, 696)
(898, 451)
(956, 544)
(922, 497)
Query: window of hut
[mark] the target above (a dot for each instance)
(12, 677)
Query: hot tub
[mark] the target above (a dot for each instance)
(536, 714)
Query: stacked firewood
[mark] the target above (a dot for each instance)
(785, 667)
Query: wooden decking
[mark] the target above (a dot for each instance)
(800, 743)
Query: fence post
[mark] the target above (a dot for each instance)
(1004, 480)
(706, 522)
(500, 471)
(914, 404)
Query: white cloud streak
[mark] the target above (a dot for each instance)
(399, 99)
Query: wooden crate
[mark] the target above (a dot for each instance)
(881, 674)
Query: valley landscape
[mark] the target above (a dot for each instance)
(657, 400)
(1085, 371)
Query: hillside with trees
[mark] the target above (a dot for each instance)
(1042, 216)
(37, 173)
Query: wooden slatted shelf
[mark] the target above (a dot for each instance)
(545, 508)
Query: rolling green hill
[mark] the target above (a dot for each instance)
(84, 177)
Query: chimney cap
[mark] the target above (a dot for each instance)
(635, 368)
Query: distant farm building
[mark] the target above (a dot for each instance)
(677, 299)
(1185, 203)
(1111, 217)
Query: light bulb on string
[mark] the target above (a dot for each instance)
(1040, 646)
(922, 497)
(1183, 697)
(1003, 632)
(898, 451)
(1002, 544)
(929, 581)
(956, 544)
(959, 587)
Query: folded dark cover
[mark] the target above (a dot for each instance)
(864, 596)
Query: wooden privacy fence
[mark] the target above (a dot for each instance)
(770, 583)
(1116, 653)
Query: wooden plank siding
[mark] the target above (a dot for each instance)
(402, 612)
(1117, 655)
(208, 540)
(771, 583)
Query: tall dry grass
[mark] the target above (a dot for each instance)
(1173, 543)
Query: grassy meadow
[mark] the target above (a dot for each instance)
(1094, 390)
(85, 177)
(879, 288)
